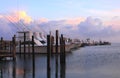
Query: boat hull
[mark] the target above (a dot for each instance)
(42, 49)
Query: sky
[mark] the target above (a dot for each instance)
(95, 19)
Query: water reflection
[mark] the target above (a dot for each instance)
(89, 62)
(62, 71)
(14, 69)
(1, 73)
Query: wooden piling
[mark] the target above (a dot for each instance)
(56, 51)
(62, 57)
(10, 47)
(61, 49)
(52, 42)
(20, 47)
(1, 43)
(14, 47)
(61, 54)
(64, 53)
(48, 56)
(33, 56)
(24, 43)
(5, 45)
(29, 47)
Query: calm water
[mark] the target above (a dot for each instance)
(87, 62)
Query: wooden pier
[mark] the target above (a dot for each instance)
(8, 48)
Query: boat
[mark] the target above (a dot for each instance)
(40, 41)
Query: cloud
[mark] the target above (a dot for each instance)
(80, 27)
(13, 22)
(43, 20)
(1, 16)
(94, 28)
(5, 29)
(22, 15)
(74, 21)
(114, 22)
(17, 16)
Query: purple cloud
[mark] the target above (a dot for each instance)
(89, 28)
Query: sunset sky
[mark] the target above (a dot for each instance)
(95, 19)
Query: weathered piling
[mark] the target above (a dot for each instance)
(56, 50)
(1, 43)
(64, 54)
(52, 42)
(14, 47)
(10, 47)
(62, 57)
(20, 47)
(5, 45)
(63, 66)
(29, 47)
(24, 43)
(33, 56)
(48, 56)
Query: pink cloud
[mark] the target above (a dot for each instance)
(74, 21)
(1, 16)
(43, 20)
(114, 23)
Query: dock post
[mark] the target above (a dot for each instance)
(1, 43)
(29, 47)
(24, 44)
(5, 45)
(14, 47)
(52, 42)
(48, 56)
(56, 53)
(14, 56)
(62, 57)
(10, 47)
(64, 52)
(33, 57)
(20, 47)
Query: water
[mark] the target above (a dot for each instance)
(87, 62)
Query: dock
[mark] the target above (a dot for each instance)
(8, 48)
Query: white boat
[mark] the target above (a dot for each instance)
(40, 43)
